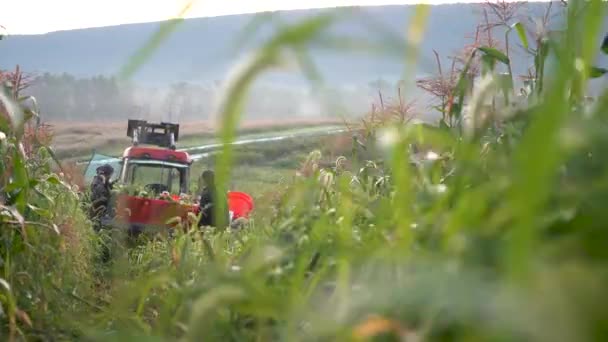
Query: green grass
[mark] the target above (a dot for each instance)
(499, 237)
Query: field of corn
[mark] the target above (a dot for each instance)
(495, 234)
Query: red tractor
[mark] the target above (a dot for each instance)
(159, 179)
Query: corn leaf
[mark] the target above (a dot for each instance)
(495, 54)
(596, 72)
(521, 33)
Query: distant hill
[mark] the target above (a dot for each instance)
(201, 50)
(180, 80)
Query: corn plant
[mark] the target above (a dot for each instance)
(40, 218)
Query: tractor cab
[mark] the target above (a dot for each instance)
(156, 169)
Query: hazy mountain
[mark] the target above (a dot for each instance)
(202, 50)
(180, 81)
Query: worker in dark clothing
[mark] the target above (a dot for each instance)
(101, 192)
(208, 202)
(101, 188)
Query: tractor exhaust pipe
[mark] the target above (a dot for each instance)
(172, 141)
(135, 139)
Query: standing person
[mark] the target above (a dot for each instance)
(208, 202)
(101, 188)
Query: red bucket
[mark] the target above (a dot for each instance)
(240, 204)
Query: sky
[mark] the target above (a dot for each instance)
(42, 16)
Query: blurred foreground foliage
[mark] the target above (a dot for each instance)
(487, 226)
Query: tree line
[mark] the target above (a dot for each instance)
(65, 97)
